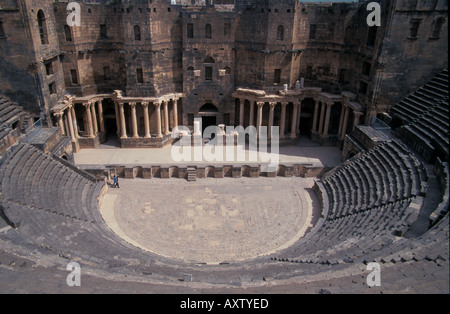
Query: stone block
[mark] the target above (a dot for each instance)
(147, 173)
(129, 173)
(165, 173)
(218, 172)
(254, 172)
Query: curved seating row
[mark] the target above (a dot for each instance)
(386, 174)
(35, 179)
(424, 116)
(423, 99)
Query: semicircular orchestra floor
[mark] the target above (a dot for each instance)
(211, 220)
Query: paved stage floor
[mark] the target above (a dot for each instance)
(305, 152)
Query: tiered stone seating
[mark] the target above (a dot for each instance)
(386, 174)
(11, 117)
(422, 100)
(38, 181)
(93, 243)
(351, 237)
(9, 111)
(425, 118)
(430, 131)
(380, 192)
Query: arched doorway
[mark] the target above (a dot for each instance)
(208, 112)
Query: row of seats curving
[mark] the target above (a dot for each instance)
(423, 99)
(386, 174)
(36, 180)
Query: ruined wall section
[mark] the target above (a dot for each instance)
(30, 57)
(17, 63)
(415, 48)
(251, 40)
(162, 63)
(44, 36)
(325, 53)
(209, 62)
(94, 55)
(282, 54)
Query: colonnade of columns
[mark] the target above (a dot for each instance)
(92, 125)
(295, 123)
(343, 122)
(68, 123)
(67, 120)
(162, 123)
(321, 117)
(325, 115)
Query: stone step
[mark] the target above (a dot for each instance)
(191, 174)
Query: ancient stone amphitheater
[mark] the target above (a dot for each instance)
(387, 205)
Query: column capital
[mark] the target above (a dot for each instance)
(157, 104)
(260, 103)
(272, 104)
(358, 113)
(87, 104)
(132, 104)
(144, 104)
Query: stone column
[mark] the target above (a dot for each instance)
(123, 127)
(134, 120)
(283, 119)
(116, 110)
(271, 114)
(70, 122)
(146, 121)
(100, 116)
(341, 120)
(66, 125)
(294, 119)
(327, 119)
(89, 120)
(344, 123)
(158, 120)
(357, 115)
(175, 114)
(297, 126)
(61, 123)
(75, 124)
(316, 112)
(259, 115)
(166, 118)
(94, 118)
(322, 115)
(241, 111)
(252, 113)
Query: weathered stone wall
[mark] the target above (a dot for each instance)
(23, 58)
(202, 51)
(88, 52)
(408, 62)
(260, 44)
